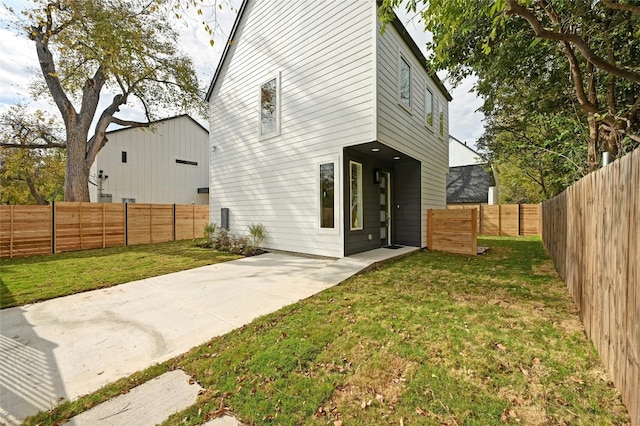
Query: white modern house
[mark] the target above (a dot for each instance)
(167, 163)
(332, 135)
(471, 179)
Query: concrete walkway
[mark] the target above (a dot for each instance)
(67, 347)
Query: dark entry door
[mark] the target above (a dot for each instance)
(385, 209)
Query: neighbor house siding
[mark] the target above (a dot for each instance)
(151, 174)
(326, 93)
(406, 130)
(461, 155)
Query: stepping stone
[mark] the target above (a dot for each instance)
(223, 421)
(148, 404)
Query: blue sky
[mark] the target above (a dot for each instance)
(19, 67)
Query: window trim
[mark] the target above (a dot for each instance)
(276, 132)
(336, 196)
(428, 106)
(401, 60)
(360, 199)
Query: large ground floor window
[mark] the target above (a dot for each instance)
(355, 173)
(327, 195)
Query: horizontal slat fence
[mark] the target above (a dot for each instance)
(25, 230)
(67, 226)
(505, 219)
(454, 231)
(592, 233)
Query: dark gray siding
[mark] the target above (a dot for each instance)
(405, 192)
(358, 241)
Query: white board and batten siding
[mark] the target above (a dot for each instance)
(151, 173)
(406, 129)
(325, 105)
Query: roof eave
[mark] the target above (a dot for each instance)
(397, 24)
(226, 50)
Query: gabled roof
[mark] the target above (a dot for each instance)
(160, 121)
(231, 40)
(469, 184)
(463, 144)
(395, 22)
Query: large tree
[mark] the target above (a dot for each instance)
(587, 50)
(98, 55)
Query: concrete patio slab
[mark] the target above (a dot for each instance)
(67, 347)
(145, 405)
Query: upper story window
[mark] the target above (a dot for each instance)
(428, 107)
(270, 107)
(441, 123)
(405, 83)
(123, 157)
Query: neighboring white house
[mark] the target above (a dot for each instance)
(470, 180)
(167, 163)
(332, 135)
(460, 154)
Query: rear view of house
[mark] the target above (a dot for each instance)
(333, 135)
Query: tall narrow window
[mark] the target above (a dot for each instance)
(441, 123)
(327, 196)
(428, 107)
(405, 83)
(355, 173)
(269, 108)
(124, 156)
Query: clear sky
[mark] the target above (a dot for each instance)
(19, 67)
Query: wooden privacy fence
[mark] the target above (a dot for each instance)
(64, 226)
(591, 231)
(454, 231)
(505, 219)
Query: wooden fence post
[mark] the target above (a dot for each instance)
(126, 224)
(80, 224)
(518, 220)
(429, 229)
(151, 223)
(53, 227)
(174, 221)
(11, 231)
(474, 232)
(104, 226)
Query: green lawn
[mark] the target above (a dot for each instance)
(431, 339)
(35, 278)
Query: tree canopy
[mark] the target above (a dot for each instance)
(30, 175)
(572, 63)
(99, 55)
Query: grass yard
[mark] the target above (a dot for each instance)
(433, 338)
(35, 278)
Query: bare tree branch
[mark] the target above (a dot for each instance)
(514, 8)
(611, 4)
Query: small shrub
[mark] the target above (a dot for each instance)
(210, 230)
(222, 240)
(258, 234)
